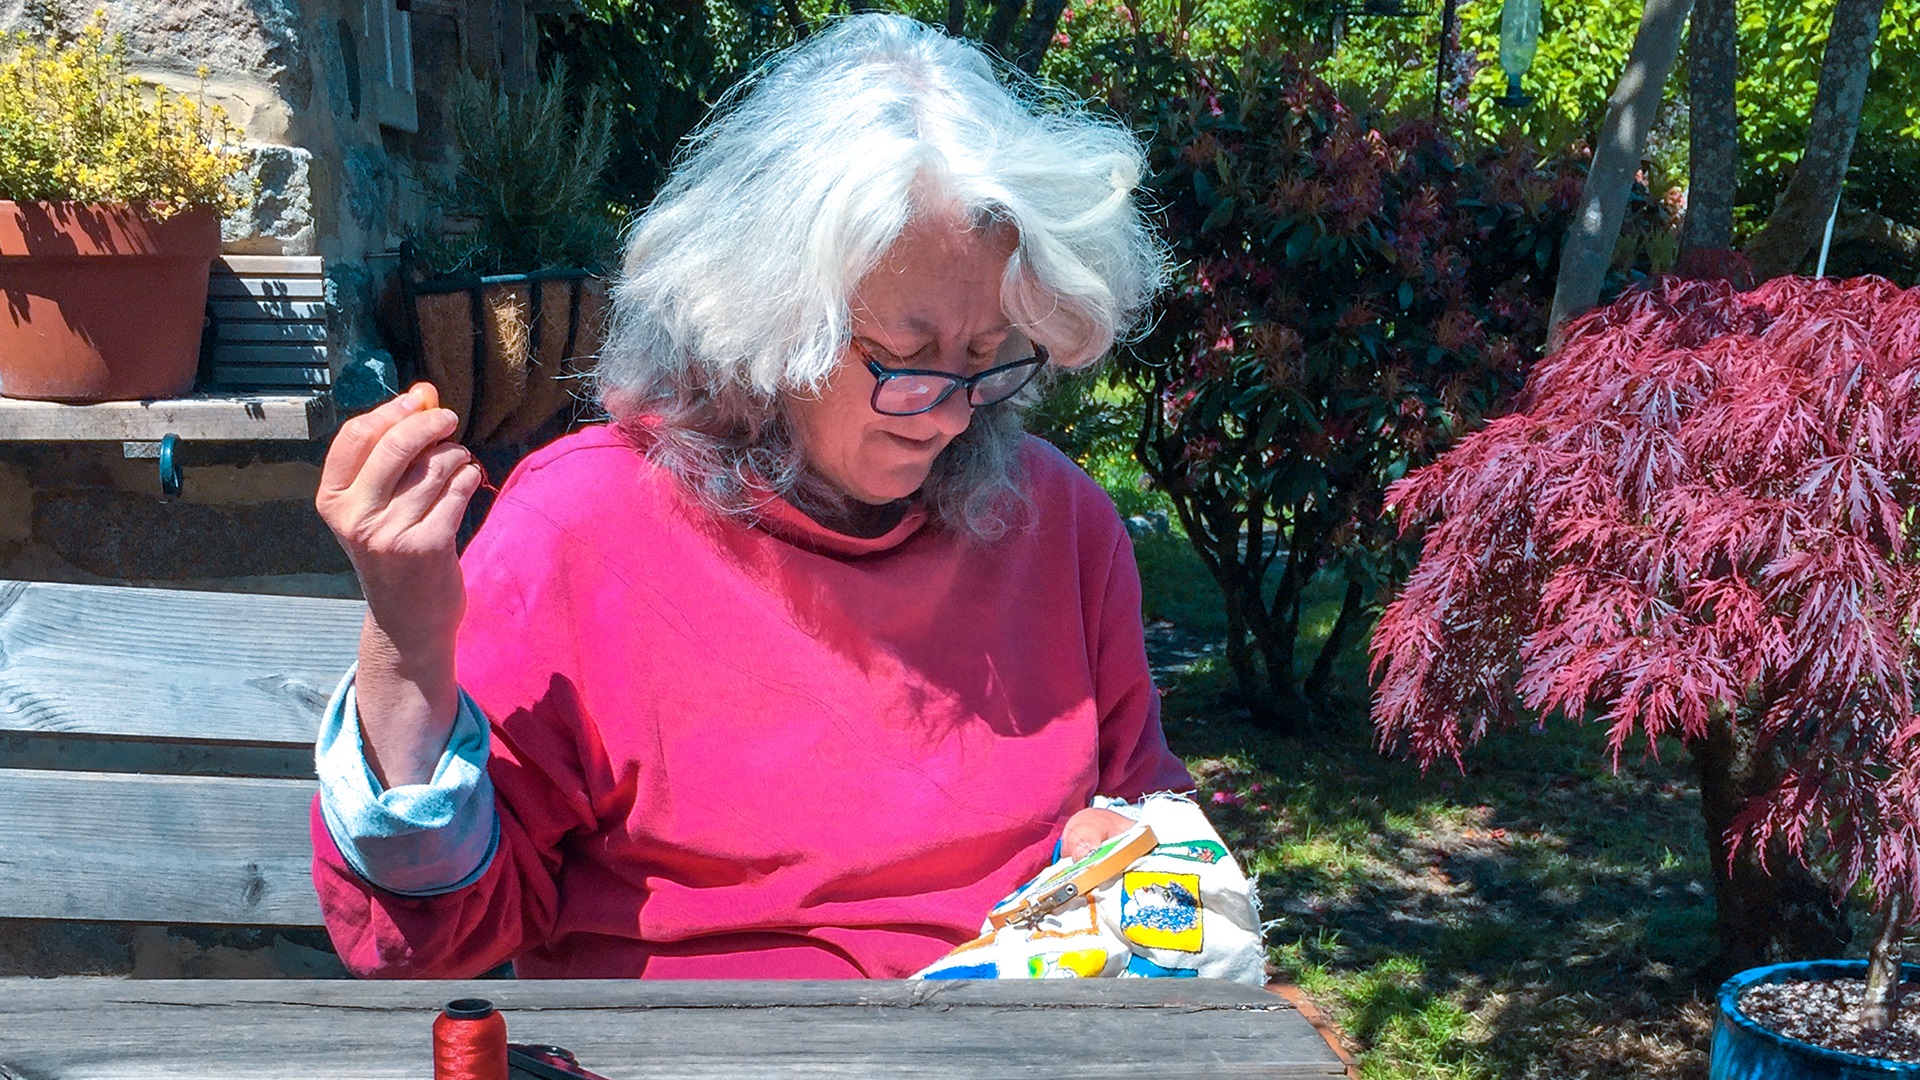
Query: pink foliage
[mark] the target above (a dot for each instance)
(1705, 508)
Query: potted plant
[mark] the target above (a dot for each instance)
(110, 199)
(1702, 523)
(505, 297)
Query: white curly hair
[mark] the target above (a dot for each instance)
(735, 288)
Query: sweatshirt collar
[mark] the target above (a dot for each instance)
(784, 520)
(780, 518)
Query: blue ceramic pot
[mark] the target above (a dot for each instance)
(1743, 1050)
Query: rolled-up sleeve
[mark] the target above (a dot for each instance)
(414, 839)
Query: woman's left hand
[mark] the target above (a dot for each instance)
(1090, 828)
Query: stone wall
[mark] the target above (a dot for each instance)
(83, 512)
(334, 152)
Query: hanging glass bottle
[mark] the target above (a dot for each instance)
(1519, 38)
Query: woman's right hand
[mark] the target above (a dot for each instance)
(394, 490)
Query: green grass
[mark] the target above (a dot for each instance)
(1540, 915)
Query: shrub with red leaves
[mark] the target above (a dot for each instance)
(1701, 523)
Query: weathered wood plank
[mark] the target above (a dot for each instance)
(171, 664)
(222, 285)
(84, 993)
(275, 330)
(265, 308)
(71, 1029)
(265, 375)
(292, 352)
(210, 417)
(180, 849)
(287, 265)
(117, 753)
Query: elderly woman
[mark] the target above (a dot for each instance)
(809, 656)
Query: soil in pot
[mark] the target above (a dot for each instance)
(1751, 1047)
(1822, 1011)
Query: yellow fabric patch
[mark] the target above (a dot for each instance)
(1086, 963)
(1161, 910)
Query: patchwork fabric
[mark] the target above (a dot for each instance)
(1183, 910)
(1161, 910)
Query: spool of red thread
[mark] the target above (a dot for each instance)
(470, 1042)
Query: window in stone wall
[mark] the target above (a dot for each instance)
(390, 63)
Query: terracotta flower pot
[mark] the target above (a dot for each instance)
(1744, 1050)
(102, 302)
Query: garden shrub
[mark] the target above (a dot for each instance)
(1349, 299)
(1701, 524)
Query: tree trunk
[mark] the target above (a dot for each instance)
(1227, 568)
(1880, 1006)
(1760, 916)
(1351, 607)
(1623, 140)
(1714, 141)
(796, 19)
(1041, 26)
(1447, 47)
(1006, 15)
(1798, 221)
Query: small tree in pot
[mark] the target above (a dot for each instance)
(1701, 523)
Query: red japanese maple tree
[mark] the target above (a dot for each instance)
(1703, 521)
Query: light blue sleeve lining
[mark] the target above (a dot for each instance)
(415, 839)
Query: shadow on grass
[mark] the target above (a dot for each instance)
(1540, 915)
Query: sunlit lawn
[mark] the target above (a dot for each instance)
(1538, 916)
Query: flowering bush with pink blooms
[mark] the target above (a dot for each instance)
(1351, 296)
(1701, 523)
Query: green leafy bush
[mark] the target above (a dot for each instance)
(525, 191)
(662, 66)
(76, 125)
(1350, 298)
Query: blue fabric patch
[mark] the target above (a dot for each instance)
(1147, 969)
(966, 971)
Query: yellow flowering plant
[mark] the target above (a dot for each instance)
(76, 125)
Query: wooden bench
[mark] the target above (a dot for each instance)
(156, 769)
(268, 323)
(156, 752)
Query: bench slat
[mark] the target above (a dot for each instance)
(267, 308)
(261, 375)
(271, 331)
(171, 664)
(226, 285)
(272, 265)
(289, 352)
(177, 849)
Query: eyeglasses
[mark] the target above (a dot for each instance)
(911, 391)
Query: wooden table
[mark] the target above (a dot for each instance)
(1127, 1029)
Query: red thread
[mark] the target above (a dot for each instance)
(470, 1042)
(485, 480)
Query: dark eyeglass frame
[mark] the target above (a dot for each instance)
(882, 375)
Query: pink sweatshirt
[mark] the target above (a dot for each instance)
(724, 750)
